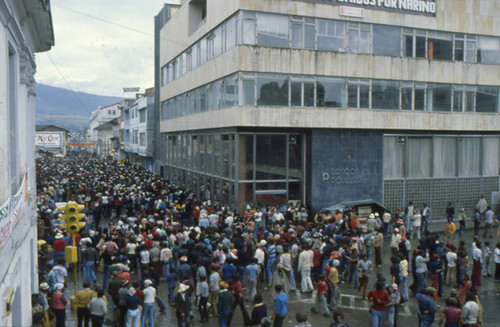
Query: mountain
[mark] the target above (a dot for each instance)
(65, 108)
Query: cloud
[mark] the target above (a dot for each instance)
(101, 46)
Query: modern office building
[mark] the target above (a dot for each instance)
(25, 29)
(325, 101)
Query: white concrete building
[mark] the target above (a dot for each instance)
(25, 29)
(326, 101)
(102, 115)
(138, 130)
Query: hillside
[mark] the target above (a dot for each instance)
(66, 108)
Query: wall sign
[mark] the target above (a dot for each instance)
(423, 7)
(346, 176)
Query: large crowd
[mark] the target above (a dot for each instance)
(142, 231)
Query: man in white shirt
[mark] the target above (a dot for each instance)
(470, 311)
(451, 274)
(149, 301)
(304, 267)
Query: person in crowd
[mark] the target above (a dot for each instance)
(379, 300)
(301, 318)
(259, 313)
(82, 300)
(451, 314)
(98, 309)
(426, 307)
(182, 306)
(280, 307)
(59, 302)
(224, 304)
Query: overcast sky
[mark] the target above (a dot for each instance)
(101, 46)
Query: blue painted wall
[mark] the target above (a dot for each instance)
(345, 166)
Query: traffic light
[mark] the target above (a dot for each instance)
(72, 217)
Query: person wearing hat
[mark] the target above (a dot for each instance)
(42, 299)
(224, 304)
(435, 270)
(182, 306)
(59, 302)
(333, 284)
(395, 240)
(426, 307)
(59, 245)
(122, 301)
(149, 301)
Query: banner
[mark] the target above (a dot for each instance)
(11, 211)
(49, 139)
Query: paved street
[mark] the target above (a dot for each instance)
(354, 308)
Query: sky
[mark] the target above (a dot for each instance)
(101, 46)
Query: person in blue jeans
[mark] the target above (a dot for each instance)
(271, 260)
(379, 299)
(149, 301)
(280, 306)
(426, 307)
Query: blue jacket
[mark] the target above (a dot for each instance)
(425, 303)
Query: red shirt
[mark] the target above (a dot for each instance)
(59, 245)
(379, 299)
(236, 288)
(321, 288)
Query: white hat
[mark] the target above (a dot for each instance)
(59, 286)
(335, 263)
(183, 288)
(131, 291)
(148, 282)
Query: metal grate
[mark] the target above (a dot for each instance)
(393, 194)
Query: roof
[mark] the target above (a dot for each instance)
(50, 128)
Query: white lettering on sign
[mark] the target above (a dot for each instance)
(341, 176)
(408, 6)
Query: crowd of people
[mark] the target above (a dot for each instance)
(143, 231)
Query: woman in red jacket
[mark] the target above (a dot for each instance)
(59, 305)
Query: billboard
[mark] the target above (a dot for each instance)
(53, 140)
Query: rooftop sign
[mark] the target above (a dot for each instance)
(423, 7)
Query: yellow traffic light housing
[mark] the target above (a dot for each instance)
(72, 217)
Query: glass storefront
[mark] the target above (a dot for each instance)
(234, 169)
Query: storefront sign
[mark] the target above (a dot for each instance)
(341, 176)
(351, 12)
(11, 211)
(426, 7)
(48, 139)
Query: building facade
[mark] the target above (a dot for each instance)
(100, 116)
(25, 29)
(138, 122)
(324, 101)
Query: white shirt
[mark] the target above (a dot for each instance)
(305, 259)
(470, 311)
(451, 257)
(149, 294)
(417, 218)
(260, 255)
(496, 255)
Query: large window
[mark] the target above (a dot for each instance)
(272, 30)
(439, 45)
(272, 90)
(387, 40)
(332, 35)
(330, 92)
(489, 50)
(385, 95)
(359, 38)
(303, 32)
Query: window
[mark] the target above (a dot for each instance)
(358, 92)
(142, 116)
(135, 136)
(439, 45)
(272, 90)
(419, 154)
(142, 139)
(331, 92)
(393, 157)
(359, 38)
(445, 156)
(465, 47)
(231, 33)
(438, 97)
(414, 43)
(170, 72)
(489, 50)
(386, 40)
(487, 99)
(164, 110)
(272, 30)
(419, 96)
(246, 28)
(164, 75)
(109, 112)
(303, 33)
(458, 98)
(331, 35)
(469, 155)
(406, 96)
(230, 92)
(385, 95)
(248, 88)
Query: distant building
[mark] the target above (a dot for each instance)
(138, 123)
(51, 138)
(25, 29)
(102, 115)
(325, 101)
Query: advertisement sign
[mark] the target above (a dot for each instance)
(49, 139)
(11, 211)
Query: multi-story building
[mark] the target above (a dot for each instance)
(102, 115)
(138, 123)
(25, 29)
(325, 101)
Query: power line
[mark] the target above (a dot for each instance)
(104, 20)
(69, 85)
